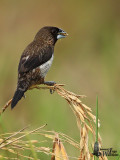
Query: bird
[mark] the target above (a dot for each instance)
(36, 61)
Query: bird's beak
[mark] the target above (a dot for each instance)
(61, 34)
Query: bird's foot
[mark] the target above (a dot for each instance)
(50, 83)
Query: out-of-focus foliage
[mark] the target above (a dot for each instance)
(89, 58)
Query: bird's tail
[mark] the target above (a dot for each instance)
(17, 96)
(22, 87)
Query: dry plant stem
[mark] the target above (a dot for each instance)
(14, 134)
(85, 120)
(58, 151)
(6, 106)
(37, 87)
(22, 136)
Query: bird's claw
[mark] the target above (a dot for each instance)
(51, 91)
(50, 83)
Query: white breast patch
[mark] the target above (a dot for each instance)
(44, 68)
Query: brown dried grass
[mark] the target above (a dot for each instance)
(85, 121)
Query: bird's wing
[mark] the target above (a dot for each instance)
(34, 57)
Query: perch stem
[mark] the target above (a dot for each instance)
(37, 87)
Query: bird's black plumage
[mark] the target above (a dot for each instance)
(36, 60)
(40, 54)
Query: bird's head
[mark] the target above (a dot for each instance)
(50, 34)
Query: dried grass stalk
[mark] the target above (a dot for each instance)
(85, 120)
(58, 150)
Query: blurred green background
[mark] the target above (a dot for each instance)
(87, 61)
